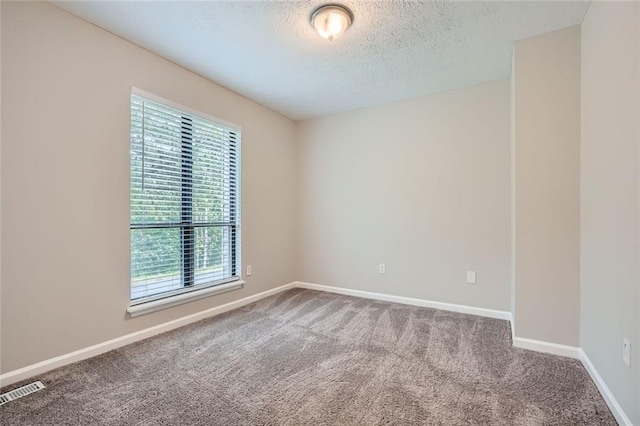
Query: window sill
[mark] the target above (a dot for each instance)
(157, 305)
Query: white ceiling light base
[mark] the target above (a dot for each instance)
(331, 20)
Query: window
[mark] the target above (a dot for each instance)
(185, 200)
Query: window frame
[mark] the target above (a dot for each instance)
(188, 289)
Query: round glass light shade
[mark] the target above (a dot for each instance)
(331, 21)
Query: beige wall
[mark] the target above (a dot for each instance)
(421, 185)
(65, 182)
(0, 185)
(609, 201)
(547, 180)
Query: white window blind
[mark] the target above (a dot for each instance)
(185, 201)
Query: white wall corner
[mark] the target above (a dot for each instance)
(606, 393)
(512, 323)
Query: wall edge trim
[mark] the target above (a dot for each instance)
(41, 367)
(606, 393)
(463, 309)
(118, 342)
(547, 347)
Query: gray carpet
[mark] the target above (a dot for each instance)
(310, 358)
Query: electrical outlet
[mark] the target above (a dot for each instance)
(626, 352)
(471, 277)
(382, 268)
(248, 270)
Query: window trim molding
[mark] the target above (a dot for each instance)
(185, 289)
(159, 99)
(188, 294)
(178, 299)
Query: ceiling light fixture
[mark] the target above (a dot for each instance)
(331, 20)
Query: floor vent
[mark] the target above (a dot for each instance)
(20, 392)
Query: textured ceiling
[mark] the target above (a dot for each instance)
(268, 51)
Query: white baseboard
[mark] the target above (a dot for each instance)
(547, 347)
(471, 310)
(520, 342)
(611, 401)
(91, 351)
